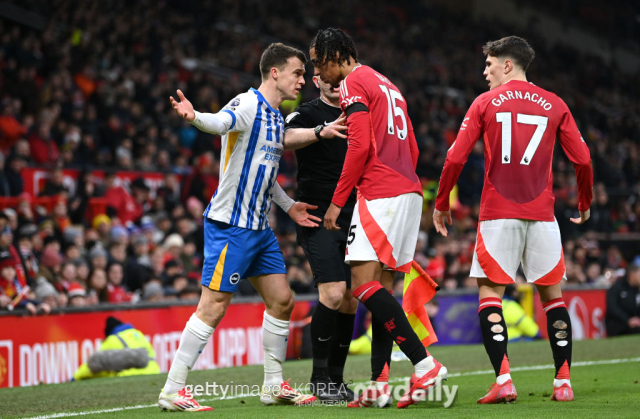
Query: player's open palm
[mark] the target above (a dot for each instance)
(336, 128)
(584, 216)
(298, 213)
(184, 108)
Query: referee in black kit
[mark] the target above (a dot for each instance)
(314, 131)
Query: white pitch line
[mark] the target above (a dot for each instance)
(452, 375)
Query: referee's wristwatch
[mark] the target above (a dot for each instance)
(317, 130)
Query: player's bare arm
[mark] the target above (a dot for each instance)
(296, 138)
(439, 220)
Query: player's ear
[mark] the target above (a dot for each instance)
(315, 81)
(275, 73)
(508, 66)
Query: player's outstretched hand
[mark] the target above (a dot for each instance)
(298, 213)
(335, 128)
(584, 216)
(331, 217)
(439, 218)
(184, 108)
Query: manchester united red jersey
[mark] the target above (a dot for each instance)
(382, 154)
(518, 123)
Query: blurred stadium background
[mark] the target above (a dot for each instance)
(103, 187)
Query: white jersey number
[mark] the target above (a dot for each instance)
(505, 119)
(394, 111)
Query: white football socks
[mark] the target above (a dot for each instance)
(559, 383)
(501, 379)
(380, 385)
(275, 334)
(424, 366)
(194, 338)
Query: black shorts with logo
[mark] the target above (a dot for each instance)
(325, 249)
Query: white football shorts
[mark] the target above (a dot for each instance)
(503, 244)
(385, 230)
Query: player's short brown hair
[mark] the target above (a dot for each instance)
(277, 55)
(513, 47)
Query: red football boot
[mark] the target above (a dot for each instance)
(564, 393)
(505, 393)
(424, 383)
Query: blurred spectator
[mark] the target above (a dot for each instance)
(152, 292)
(127, 207)
(98, 257)
(54, 185)
(623, 303)
(13, 174)
(97, 287)
(11, 287)
(115, 292)
(173, 246)
(48, 294)
(77, 295)
(190, 292)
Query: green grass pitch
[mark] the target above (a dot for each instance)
(601, 389)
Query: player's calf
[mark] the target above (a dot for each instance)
(560, 338)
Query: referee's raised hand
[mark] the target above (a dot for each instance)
(335, 128)
(184, 108)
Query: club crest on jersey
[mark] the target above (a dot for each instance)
(350, 101)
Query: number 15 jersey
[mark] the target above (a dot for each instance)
(382, 154)
(518, 123)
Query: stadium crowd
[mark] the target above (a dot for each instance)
(90, 91)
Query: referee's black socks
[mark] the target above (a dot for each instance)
(386, 310)
(323, 327)
(340, 347)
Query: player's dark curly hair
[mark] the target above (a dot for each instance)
(333, 44)
(513, 47)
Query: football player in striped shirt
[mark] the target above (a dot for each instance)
(239, 243)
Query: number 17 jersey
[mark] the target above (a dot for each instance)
(518, 123)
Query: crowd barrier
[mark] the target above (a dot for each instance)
(48, 349)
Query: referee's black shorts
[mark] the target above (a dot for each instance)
(325, 249)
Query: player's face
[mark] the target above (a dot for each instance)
(331, 93)
(329, 72)
(291, 79)
(493, 71)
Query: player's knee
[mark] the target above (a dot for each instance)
(282, 306)
(212, 310)
(332, 298)
(349, 303)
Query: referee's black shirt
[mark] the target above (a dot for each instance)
(319, 164)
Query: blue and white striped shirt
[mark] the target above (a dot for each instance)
(249, 163)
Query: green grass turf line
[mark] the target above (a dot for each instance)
(610, 390)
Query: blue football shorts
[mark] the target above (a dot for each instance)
(232, 253)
